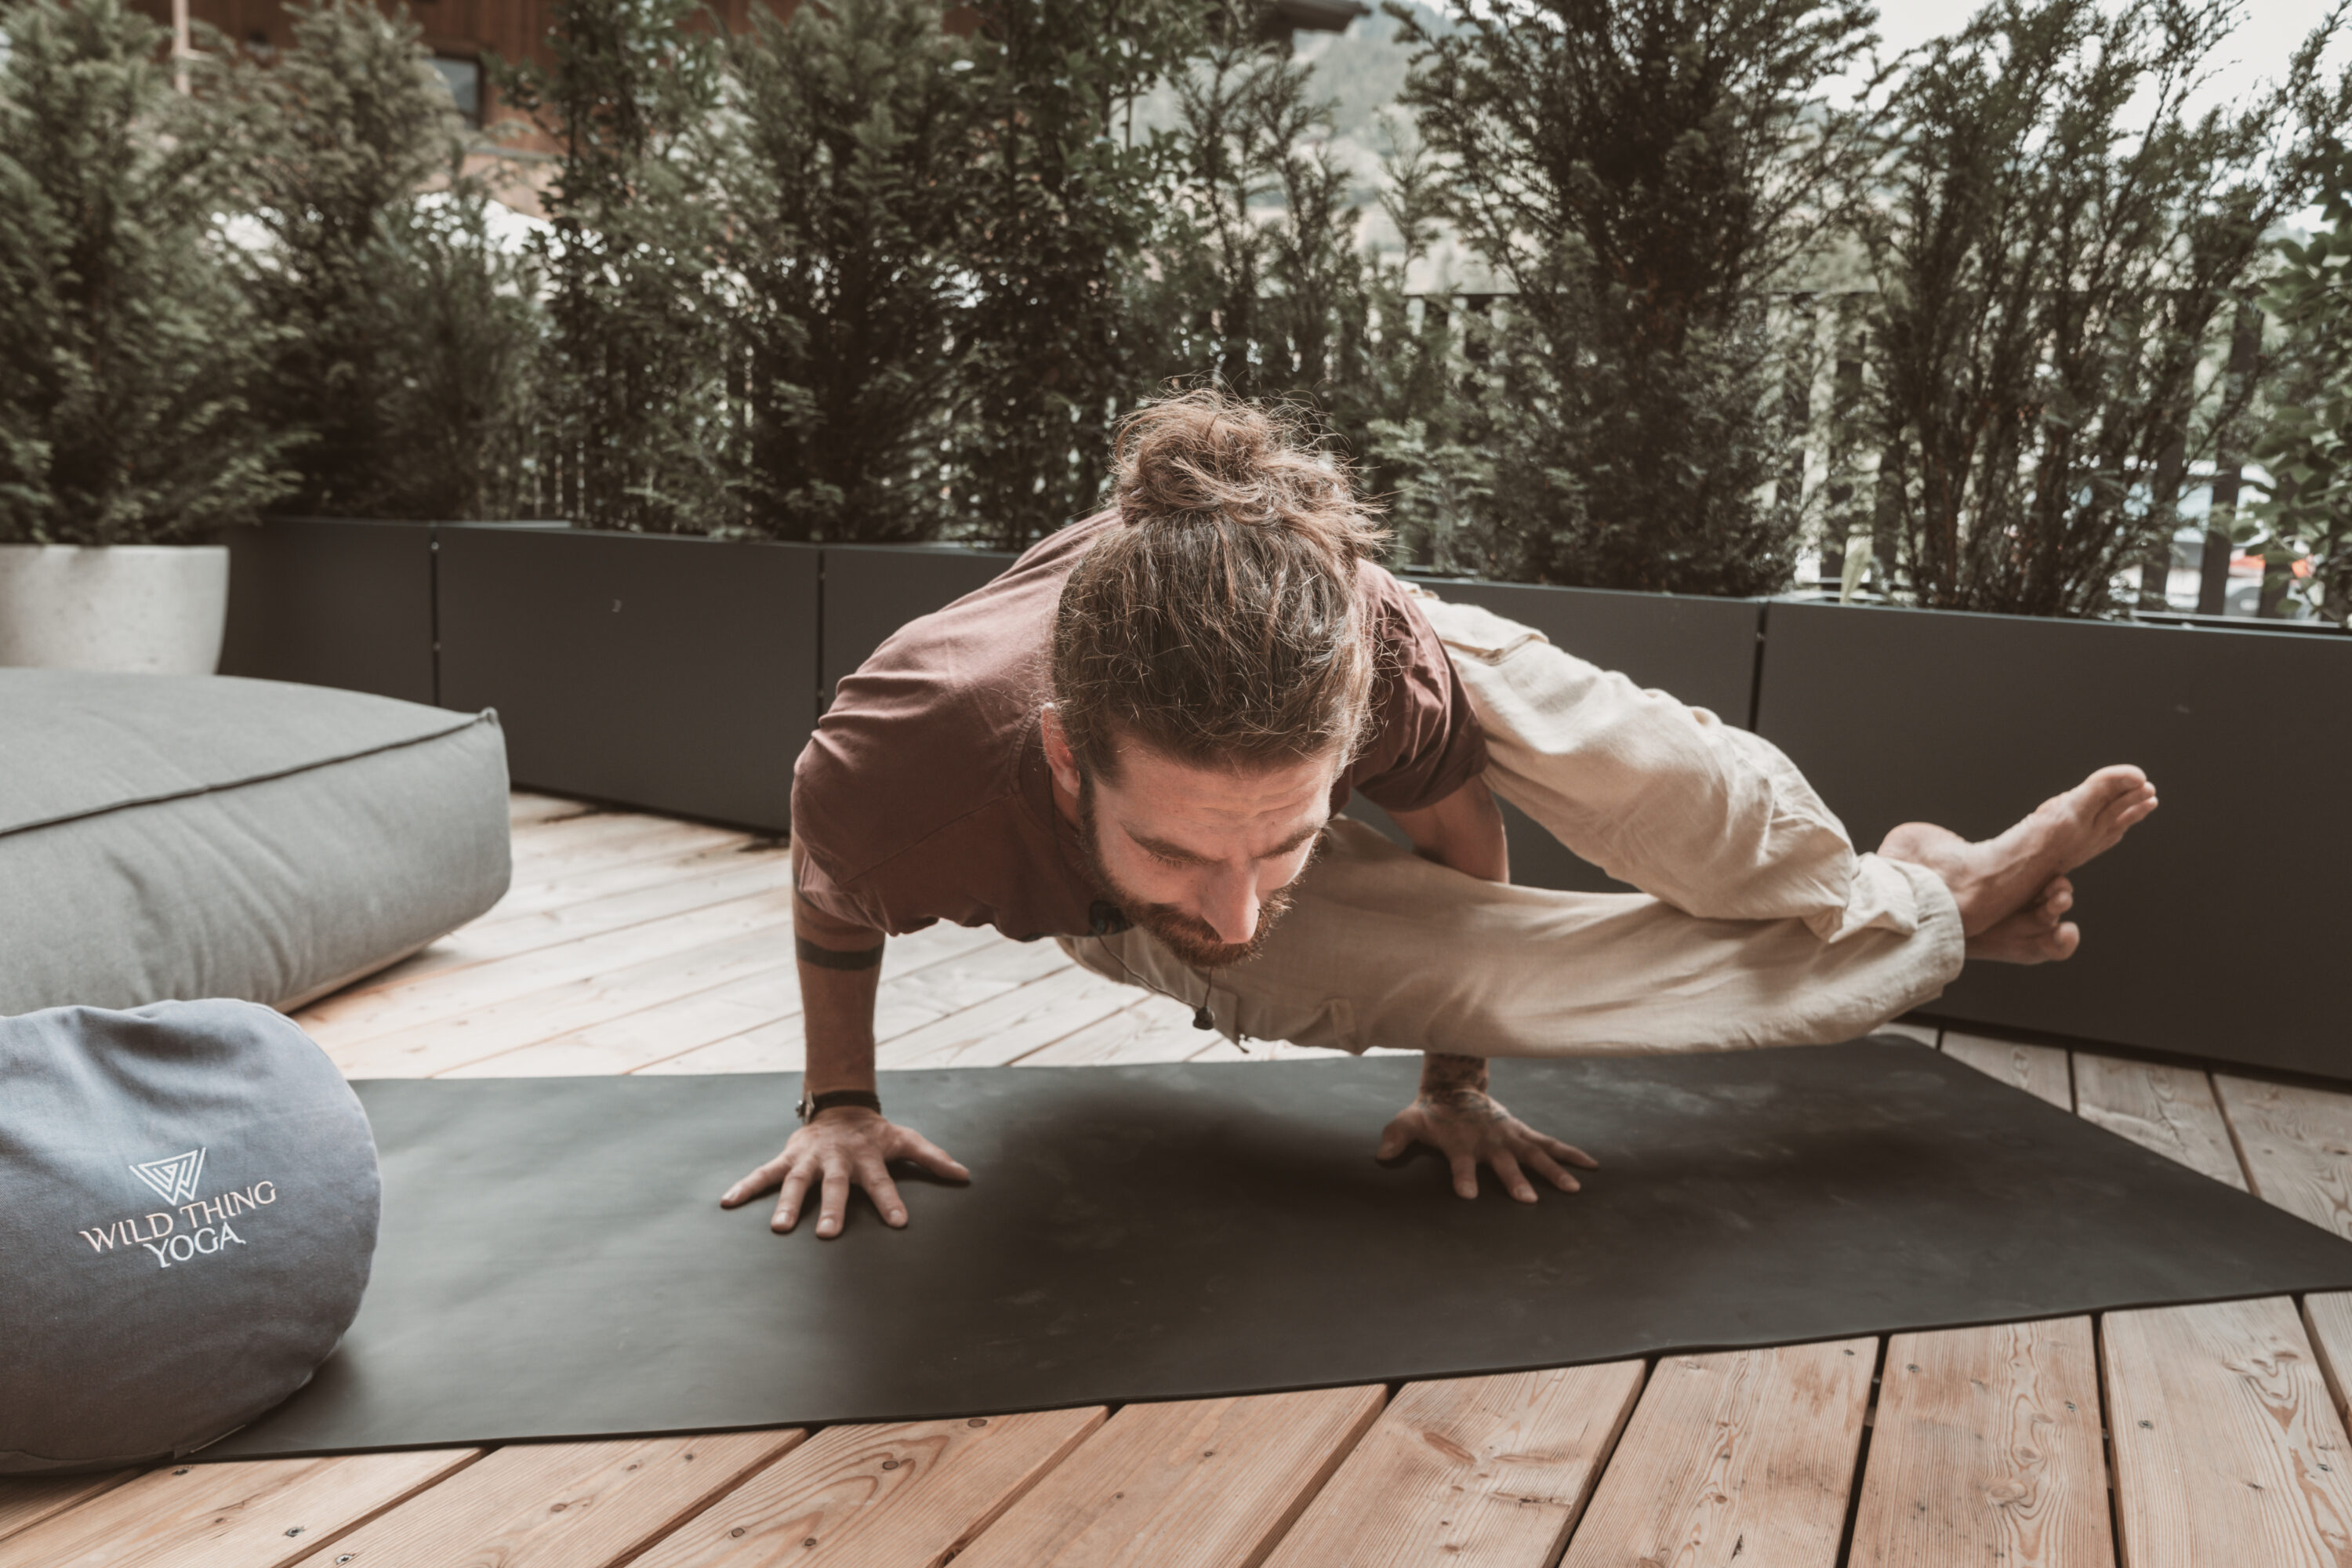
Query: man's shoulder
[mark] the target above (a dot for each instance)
(935, 724)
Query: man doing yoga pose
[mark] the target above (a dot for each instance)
(1136, 742)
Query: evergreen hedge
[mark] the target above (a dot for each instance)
(872, 273)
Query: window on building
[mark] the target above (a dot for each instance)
(463, 76)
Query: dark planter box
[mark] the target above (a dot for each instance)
(872, 590)
(678, 674)
(331, 603)
(2216, 929)
(1702, 651)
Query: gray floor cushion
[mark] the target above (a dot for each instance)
(191, 1218)
(173, 837)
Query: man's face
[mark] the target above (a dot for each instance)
(1202, 858)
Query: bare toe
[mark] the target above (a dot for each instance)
(2029, 936)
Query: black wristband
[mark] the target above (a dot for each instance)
(837, 958)
(813, 1106)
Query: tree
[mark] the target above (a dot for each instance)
(849, 206)
(635, 369)
(1260, 281)
(458, 408)
(2307, 445)
(337, 136)
(1640, 172)
(1060, 337)
(2060, 249)
(125, 347)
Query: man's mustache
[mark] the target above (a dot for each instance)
(1200, 943)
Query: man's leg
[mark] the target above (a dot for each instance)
(1717, 822)
(1384, 948)
(1765, 927)
(1712, 819)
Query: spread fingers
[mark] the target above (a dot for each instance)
(1513, 1180)
(788, 1205)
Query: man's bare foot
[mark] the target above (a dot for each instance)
(2003, 884)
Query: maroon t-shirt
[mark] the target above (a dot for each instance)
(924, 795)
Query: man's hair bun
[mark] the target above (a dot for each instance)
(1203, 454)
(1224, 623)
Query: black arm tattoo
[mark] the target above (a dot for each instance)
(836, 958)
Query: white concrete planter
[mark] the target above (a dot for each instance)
(158, 609)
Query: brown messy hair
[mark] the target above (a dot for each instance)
(1219, 621)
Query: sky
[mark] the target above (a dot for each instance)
(2269, 33)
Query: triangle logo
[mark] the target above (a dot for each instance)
(174, 1180)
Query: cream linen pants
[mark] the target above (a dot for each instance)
(1756, 923)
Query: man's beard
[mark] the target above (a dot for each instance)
(1189, 937)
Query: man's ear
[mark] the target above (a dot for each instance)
(1058, 755)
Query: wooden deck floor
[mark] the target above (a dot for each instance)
(2209, 1435)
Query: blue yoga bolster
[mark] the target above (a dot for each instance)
(190, 1210)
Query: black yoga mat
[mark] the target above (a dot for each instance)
(554, 1262)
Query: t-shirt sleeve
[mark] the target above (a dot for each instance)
(1429, 743)
(816, 888)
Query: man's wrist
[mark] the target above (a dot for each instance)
(813, 1106)
(1455, 1082)
(1443, 1073)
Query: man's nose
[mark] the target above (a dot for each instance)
(1231, 904)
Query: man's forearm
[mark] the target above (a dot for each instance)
(837, 1021)
(1465, 831)
(840, 971)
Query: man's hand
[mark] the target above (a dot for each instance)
(1456, 1117)
(846, 1145)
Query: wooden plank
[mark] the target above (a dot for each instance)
(645, 1038)
(559, 1505)
(1006, 1028)
(910, 1495)
(2168, 1110)
(1483, 1472)
(715, 881)
(2039, 1070)
(1205, 1483)
(1986, 1449)
(780, 1046)
(2226, 1447)
(2328, 1319)
(347, 1021)
(758, 1016)
(596, 838)
(909, 1002)
(764, 938)
(1745, 1454)
(524, 807)
(1156, 1029)
(535, 891)
(26, 1500)
(262, 1513)
(1224, 1050)
(2297, 1147)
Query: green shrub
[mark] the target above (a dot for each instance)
(2307, 446)
(2060, 247)
(850, 158)
(636, 420)
(126, 348)
(1643, 174)
(338, 135)
(457, 399)
(1058, 339)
